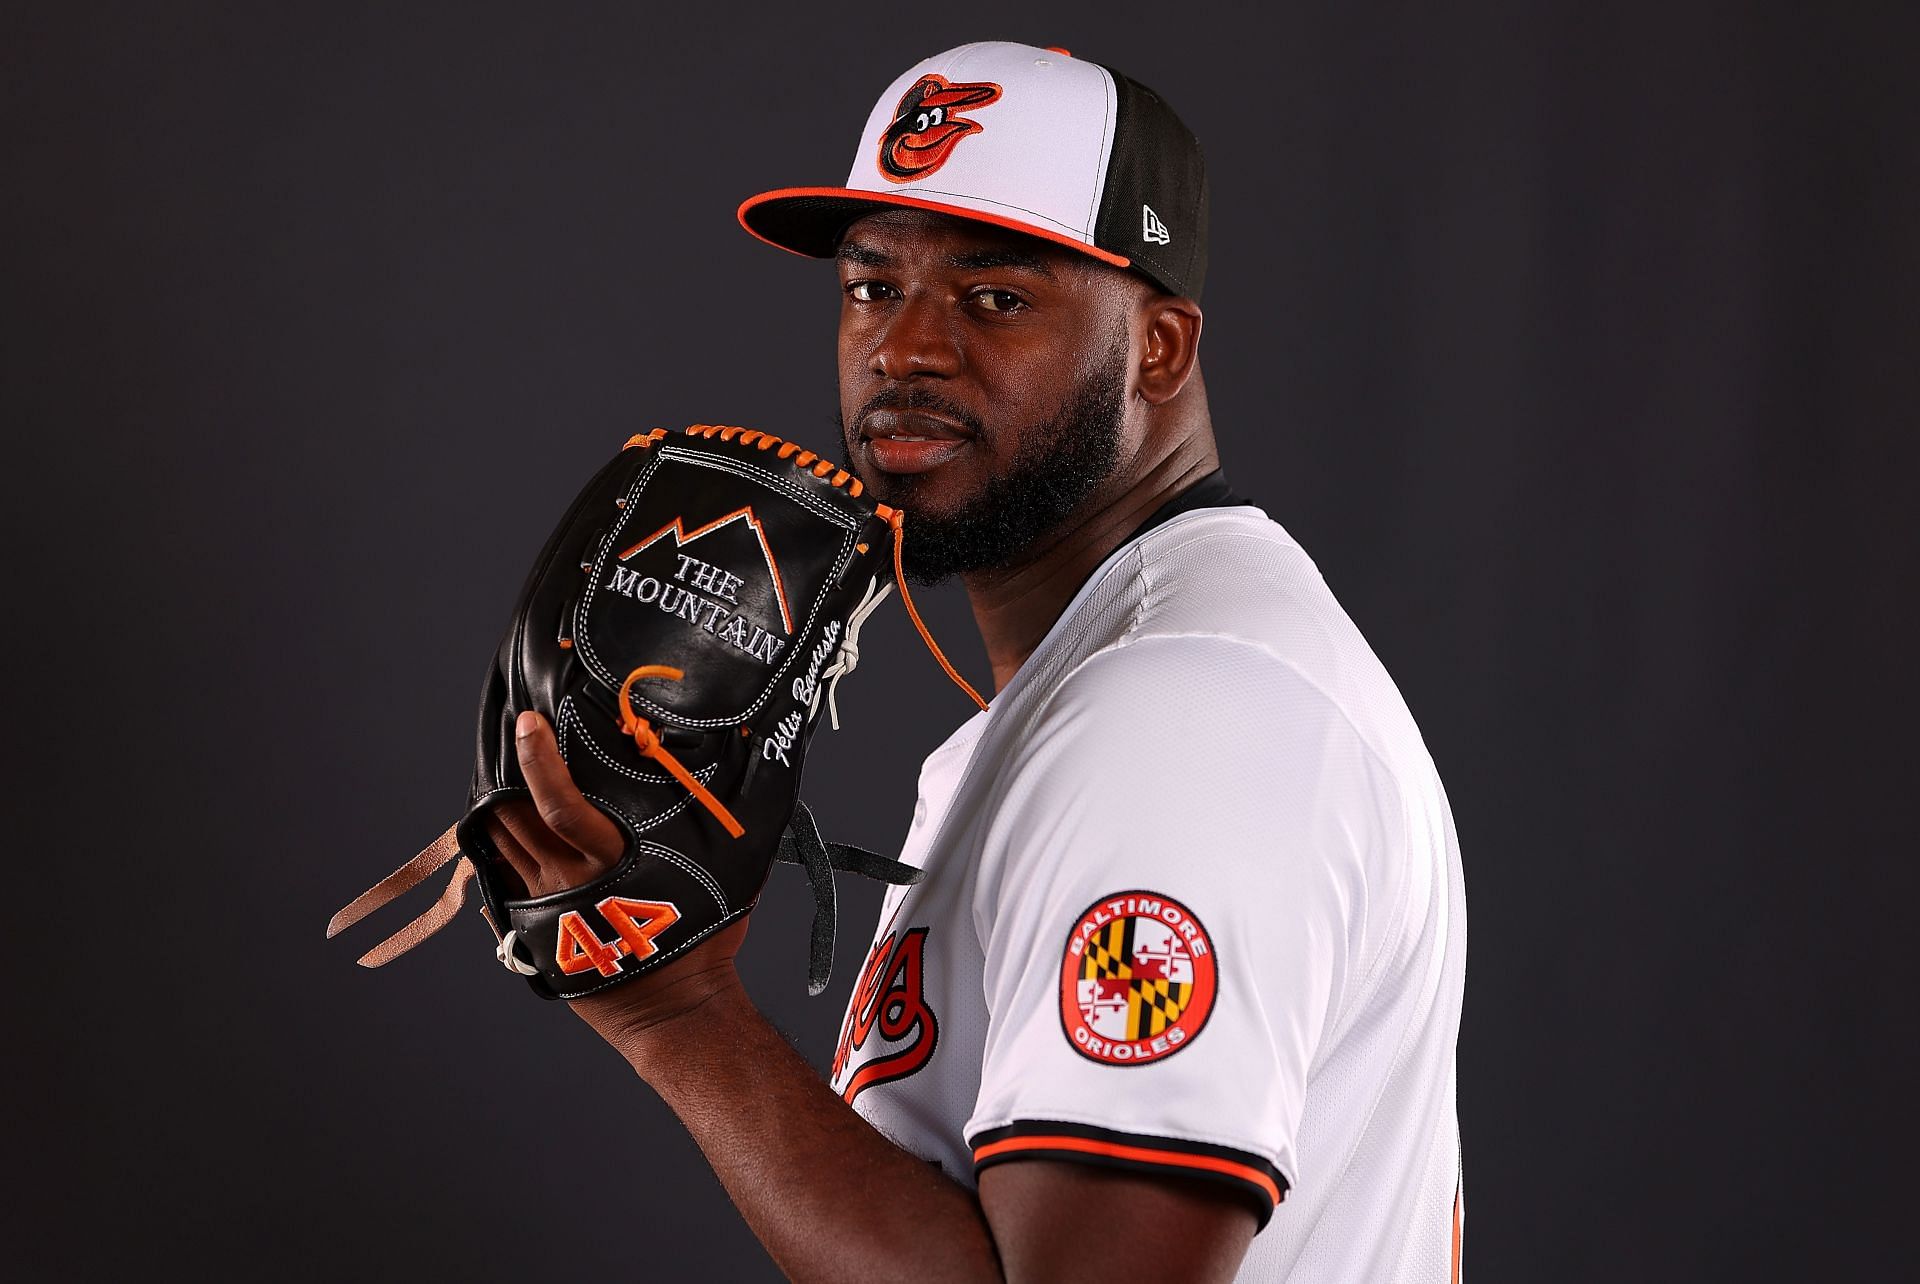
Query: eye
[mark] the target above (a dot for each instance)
(920, 122)
(867, 291)
(999, 300)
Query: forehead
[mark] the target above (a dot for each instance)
(922, 238)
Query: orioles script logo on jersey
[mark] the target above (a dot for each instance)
(1137, 981)
(890, 1000)
(927, 126)
(707, 594)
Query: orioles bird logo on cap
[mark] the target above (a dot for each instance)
(927, 126)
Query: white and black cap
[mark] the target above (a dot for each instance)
(1025, 138)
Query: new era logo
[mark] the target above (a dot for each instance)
(1151, 228)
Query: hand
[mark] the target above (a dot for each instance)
(560, 840)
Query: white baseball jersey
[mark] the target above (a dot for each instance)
(1193, 904)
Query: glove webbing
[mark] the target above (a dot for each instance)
(802, 845)
(399, 883)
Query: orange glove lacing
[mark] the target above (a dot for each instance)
(897, 520)
(648, 742)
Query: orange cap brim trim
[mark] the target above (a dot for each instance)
(857, 197)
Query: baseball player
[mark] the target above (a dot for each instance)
(1177, 995)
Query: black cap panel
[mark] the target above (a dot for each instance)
(1154, 206)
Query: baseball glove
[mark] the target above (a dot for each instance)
(682, 688)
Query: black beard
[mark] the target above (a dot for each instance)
(1058, 466)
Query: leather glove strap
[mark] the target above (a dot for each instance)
(802, 845)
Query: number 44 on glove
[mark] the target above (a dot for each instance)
(681, 631)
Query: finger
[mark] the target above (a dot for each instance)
(555, 863)
(513, 851)
(561, 804)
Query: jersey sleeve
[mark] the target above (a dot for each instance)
(1171, 904)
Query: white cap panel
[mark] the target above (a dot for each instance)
(1034, 152)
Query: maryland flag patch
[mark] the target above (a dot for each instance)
(1137, 980)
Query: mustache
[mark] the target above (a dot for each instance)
(904, 399)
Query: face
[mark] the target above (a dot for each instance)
(983, 382)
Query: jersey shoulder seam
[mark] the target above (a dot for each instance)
(1237, 529)
(1239, 641)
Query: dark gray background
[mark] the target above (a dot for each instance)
(1576, 344)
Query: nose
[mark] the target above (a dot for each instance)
(917, 340)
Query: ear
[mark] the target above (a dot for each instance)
(1171, 326)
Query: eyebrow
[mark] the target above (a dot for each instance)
(861, 255)
(986, 260)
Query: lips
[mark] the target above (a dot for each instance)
(911, 441)
(911, 423)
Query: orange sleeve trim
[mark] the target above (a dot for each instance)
(1133, 1154)
(1459, 1224)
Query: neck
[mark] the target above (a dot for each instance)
(1015, 605)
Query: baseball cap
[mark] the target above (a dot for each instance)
(1025, 138)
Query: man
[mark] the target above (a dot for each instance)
(1178, 996)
